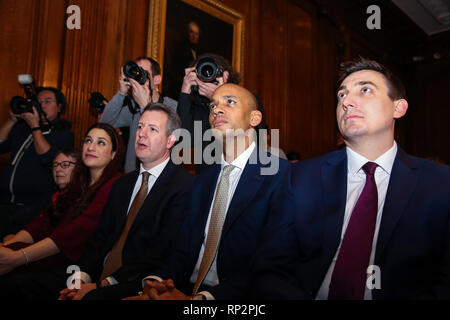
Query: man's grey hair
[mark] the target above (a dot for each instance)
(173, 120)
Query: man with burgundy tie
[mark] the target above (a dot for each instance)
(142, 217)
(366, 222)
(230, 203)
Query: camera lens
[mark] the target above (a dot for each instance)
(207, 70)
(133, 71)
(20, 105)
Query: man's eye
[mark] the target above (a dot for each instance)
(139, 126)
(341, 95)
(212, 106)
(231, 101)
(366, 90)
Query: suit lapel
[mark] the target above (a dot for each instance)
(402, 182)
(208, 182)
(127, 191)
(334, 184)
(153, 198)
(249, 183)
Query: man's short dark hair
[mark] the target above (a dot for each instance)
(222, 63)
(59, 96)
(396, 89)
(155, 67)
(173, 120)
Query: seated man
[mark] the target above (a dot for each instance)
(143, 213)
(126, 107)
(229, 205)
(26, 184)
(368, 221)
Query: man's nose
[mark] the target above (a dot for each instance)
(348, 102)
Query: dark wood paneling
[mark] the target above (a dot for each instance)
(292, 51)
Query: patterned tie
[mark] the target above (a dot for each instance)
(215, 226)
(114, 260)
(349, 277)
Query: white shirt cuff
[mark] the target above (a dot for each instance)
(207, 295)
(151, 278)
(112, 281)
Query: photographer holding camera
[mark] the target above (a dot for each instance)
(33, 134)
(207, 73)
(138, 86)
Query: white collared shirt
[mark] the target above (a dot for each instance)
(211, 278)
(155, 172)
(356, 179)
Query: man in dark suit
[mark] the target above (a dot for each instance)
(230, 203)
(144, 211)
(368, 221)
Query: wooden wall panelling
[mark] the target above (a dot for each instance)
(49, 39)
(81, 69)
(326, 63)
(272, 60)
(16, 47)
(301, 88)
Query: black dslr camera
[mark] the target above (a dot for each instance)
(207, 70)
(21, 105)
(97, 102)
(133, 71)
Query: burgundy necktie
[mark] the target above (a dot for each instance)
(349, 277)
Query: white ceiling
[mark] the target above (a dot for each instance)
(432, 16)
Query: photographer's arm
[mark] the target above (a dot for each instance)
(41, 144)
(113, 113)
(5, 129)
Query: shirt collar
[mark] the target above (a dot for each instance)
(156, 170)
(242, 159)
(385, 161)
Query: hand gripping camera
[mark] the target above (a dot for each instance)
(207, 70)
(21, 105)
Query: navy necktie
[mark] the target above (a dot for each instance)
(349, 277)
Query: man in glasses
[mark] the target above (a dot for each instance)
(26, 183)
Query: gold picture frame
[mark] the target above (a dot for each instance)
(157, 28)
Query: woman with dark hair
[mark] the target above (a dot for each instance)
(58, 236)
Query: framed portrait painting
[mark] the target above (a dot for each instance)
(181, 30)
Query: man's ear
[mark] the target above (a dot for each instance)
(171, 141)
(400, 108)
(255, 118)
(157, 80)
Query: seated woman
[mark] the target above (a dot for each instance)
(57, 237)
(63, 165)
